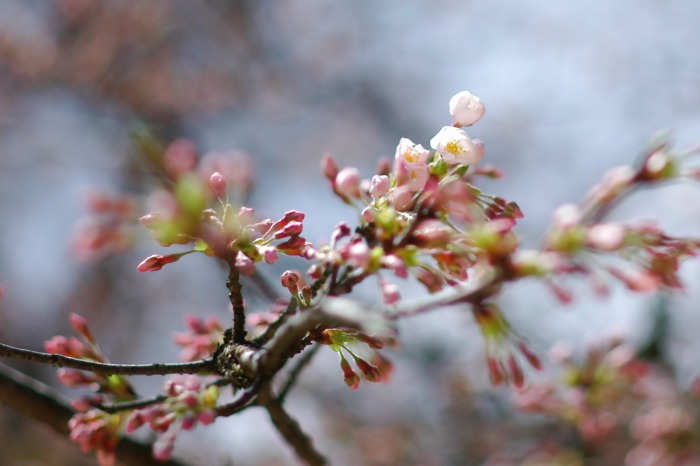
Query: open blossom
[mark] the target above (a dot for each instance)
(410, 153)
(455, 146)
(466, 108)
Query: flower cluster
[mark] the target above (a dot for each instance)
(188, 402)
(504, 348)
(108, 227)
(423, 216)
(613, 396)
(92, 428)
(201, 341)
(378, 368)
(197, 208)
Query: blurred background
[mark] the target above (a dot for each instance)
(571, 89)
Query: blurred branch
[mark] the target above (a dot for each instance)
(290, 429)
(296, 371)
(58, 360)
(42, 403)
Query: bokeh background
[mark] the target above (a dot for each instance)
(571, 89)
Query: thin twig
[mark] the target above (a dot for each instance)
(264, 286)
(290, 429)
(272, 328)
(294, 373)
(244, 401)
(58, 360)
(135, 404)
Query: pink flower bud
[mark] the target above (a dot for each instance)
(566, 216)
(80, 324)
(244, 264)
(380, 186)
(217, 182)
(341, 230)
(292, 229)
(396, 264)
(180, 157)
(368, 214)
(359, 254)
(390, 292)
(206, 417)
(466, 108)
(289, 279)
(294, 246)
(349, 376)
(134, 422)
(347, 182)
(401, 198)
(156, 262)
(605, 236)
(370, 372)
(152, 221)
(328, 167)
(269, 254)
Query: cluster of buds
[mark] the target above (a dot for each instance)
(612, 396)
(377, 369)
(112, 387)
(197, 208)
(505, 350)
(202, 339)
(188, 403)
(107, 229)
(423, 216)
(642, 257)
(93, 429)
(98, 431)
(594, 394)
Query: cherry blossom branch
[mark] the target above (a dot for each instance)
(290, 429)
(58, 360)
(42, 403)
(474, 291)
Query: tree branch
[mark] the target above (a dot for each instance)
(58, 360)
(293, 376)
(233, 283)
(42, 403)
(290, 429)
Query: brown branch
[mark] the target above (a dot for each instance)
(272, 328)
(290, 429)
(58, 360)
(42, 403)
(233, 283)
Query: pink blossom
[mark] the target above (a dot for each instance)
(455, 146)
(411, 154)
(466, 108)
(417, 177)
